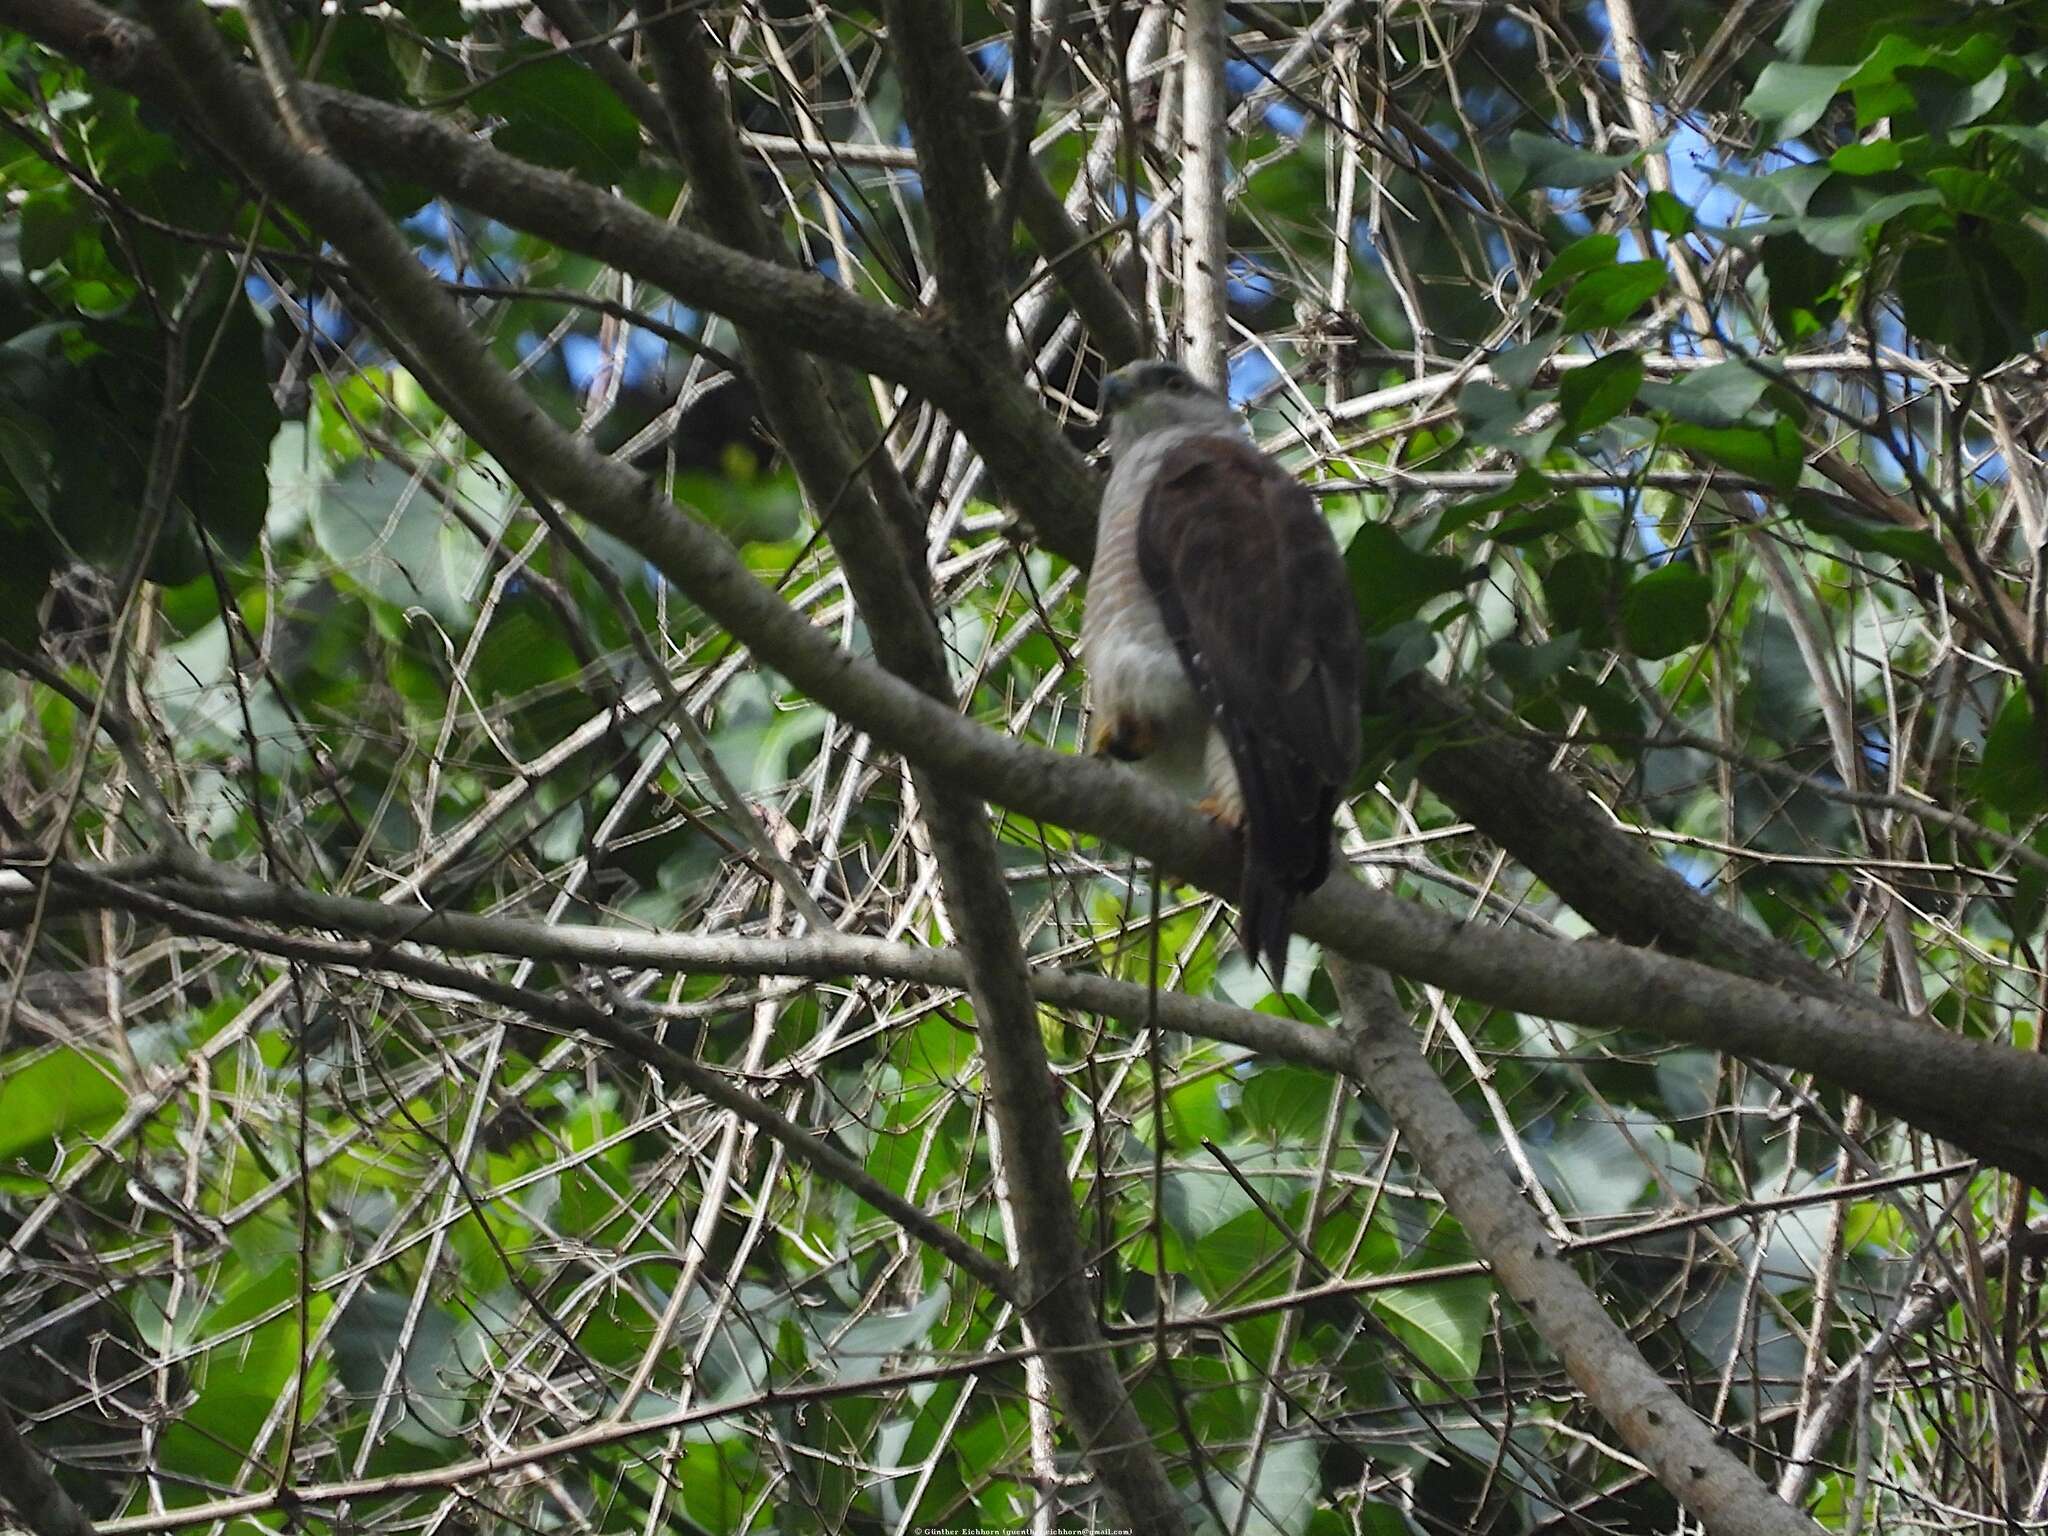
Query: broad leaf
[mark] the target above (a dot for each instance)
(1391, 580)
(1789, 98)
(1591, 396)
(1554, 164)
(2010, 774)
(558, 113)
(1772, 454)
(1609, 296)
(1581, 256)
(1666, 611)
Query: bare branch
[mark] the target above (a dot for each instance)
(31, 1492)
(878, 540)
(925, 40)
(1204, 156)
(1652, 1420)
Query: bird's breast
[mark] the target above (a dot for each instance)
(1130, 658)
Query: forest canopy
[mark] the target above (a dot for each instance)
(562, 962)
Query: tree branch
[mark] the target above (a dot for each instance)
(576, 1017)
(808, 309)
(1652, 1420)
(1980, 1096)
(1204, 155)
(821, 956)
(877, 533)
(1067, 249)
(1518, 801)
(924, 40)
(31, 1492)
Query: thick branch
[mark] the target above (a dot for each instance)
(1554, 829)
(1982, 1097)
(823, 955)
(1204, 156)
(568, 18)
(1506, 790)
(876, 531)
(1652, 1420)
(397, 141)
(1069, 254)
(924, 40)
(31, 1492)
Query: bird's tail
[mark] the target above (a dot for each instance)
(1286, 846)
(1265, 908)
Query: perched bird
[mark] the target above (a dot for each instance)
(1221, 637)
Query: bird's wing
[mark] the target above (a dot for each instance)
(1259, 606)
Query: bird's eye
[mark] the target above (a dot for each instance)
(1178, 383)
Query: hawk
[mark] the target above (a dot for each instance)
(1221, 638)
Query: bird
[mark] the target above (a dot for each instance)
(1220, 637)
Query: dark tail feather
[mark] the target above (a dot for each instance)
(1286, 846)
(1265, 908)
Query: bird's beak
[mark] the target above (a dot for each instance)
(1116, 392)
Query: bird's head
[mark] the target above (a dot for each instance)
(1142, 398)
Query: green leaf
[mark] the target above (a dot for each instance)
(1392, 655)
(1947, 102)
(355, 54)
(1282, 1499)
(559, 114)
(1591, 396)
(1783, 193)
(1491, 414)
(24, 578)
(1576, 589)
(1288, 1104)
(2031, 138)
(1845, 209)
(1716, 396)
(62, 1093)
(1788, 99)
(1392, 581)
(30, 560)
(2010, 775)
(1803, 287)
(1528, 485)
(1666, 611)
(1554, 164)
(1796, 36)
(1978, 194)
(1915, 546)
(1616, 712)
(1772, 454)
(225, 475)
(1444, 1323)
(1533, 523)
(1581, 256)
(1528, 667)
(435, 18)
(1668, 215)
(1200, 1202)
(1517, 367)
(49, 220)
(2030, 892)
(1866, 159)
(1609, 296)
(1965, 295)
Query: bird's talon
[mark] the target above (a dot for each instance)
(1230, 817)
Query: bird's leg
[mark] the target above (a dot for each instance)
(1224, 803)
(1123, 737)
